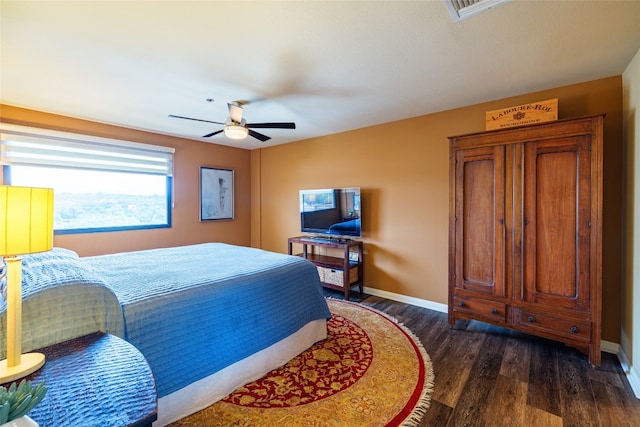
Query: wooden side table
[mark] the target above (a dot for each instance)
(336, 272)
(95, 380)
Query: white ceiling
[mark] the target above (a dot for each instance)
(328, 66)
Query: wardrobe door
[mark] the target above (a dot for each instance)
(556, 223)
(479, 223)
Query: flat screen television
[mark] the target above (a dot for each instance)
(331, 212)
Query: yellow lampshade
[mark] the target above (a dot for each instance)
(26, 220)
(26, 227)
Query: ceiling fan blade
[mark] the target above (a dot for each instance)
(259, 136)
(212, 133)
(285, 125)
(235, 111)
(190, 118)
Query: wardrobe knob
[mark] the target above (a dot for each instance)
(462, 304)
(575, 329)
(494, 311)
(532, 319)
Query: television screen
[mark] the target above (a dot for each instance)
(331, 211)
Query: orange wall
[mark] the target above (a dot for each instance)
(189, 156)
(402, 168)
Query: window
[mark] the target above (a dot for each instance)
(99, 184)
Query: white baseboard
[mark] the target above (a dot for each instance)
(634, 380)
(607, 346)
(632, 374)
(435, 306)
(610, 347)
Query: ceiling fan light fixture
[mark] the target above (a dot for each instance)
(236, 131)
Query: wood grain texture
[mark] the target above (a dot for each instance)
(544, 391)
(516, 360)
(489, 376)
(524, 230)
(506, 405)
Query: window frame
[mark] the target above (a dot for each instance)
(162, 168)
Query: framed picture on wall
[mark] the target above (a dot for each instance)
(216, 193)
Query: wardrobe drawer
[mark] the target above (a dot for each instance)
(553, 327)
(480, 308)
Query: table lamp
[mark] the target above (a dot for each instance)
(26, 226)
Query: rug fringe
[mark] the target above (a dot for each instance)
(424, 402)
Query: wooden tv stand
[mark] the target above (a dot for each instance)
(340, 273)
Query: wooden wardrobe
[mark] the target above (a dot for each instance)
(525, 230)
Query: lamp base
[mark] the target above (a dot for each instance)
(29, 362)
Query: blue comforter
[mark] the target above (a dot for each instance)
(193, 310)
(190, 310)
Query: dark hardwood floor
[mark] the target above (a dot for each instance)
(490, 376)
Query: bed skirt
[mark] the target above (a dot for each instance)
(201, 394)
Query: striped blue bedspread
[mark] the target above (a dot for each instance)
(193, 310)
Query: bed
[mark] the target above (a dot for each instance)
(208, 318)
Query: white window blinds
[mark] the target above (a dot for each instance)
(22, 145)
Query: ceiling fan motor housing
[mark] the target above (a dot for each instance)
(230, 122)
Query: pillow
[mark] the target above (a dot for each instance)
(57, 267)
(63, 298)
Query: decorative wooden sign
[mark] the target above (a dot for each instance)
(527, 114)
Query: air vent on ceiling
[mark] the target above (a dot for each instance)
(462, 9)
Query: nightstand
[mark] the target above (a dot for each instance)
(95, 380)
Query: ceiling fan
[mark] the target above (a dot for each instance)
(236, 127)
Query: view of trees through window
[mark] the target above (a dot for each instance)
(87, 199)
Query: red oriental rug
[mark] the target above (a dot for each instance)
(370, 371)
